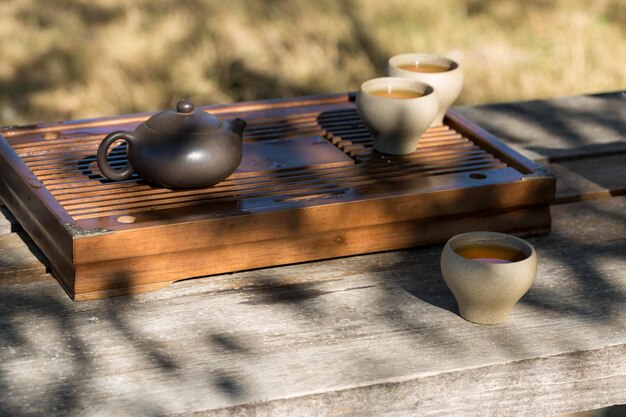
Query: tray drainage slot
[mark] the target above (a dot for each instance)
(477, 176)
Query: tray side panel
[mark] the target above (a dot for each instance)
(38, 213)
(105, 279)
(488, 142)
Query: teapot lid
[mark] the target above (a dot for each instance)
(185, 119)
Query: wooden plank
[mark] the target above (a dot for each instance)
(470, 393)
(587, 178)
(566, 127)
(375, 334)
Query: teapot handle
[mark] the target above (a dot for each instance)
(103, 163)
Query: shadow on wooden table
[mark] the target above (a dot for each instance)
(388, 281)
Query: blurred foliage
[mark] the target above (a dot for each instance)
(65, 59)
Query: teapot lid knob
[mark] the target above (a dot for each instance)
(184, 106)
(184, 119)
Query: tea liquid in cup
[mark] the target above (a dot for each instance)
(491, 253)
(418, 66)
(396, 93)
(396, 111)
(443, 74)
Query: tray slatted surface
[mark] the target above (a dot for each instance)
(309, 187)
(66, 166)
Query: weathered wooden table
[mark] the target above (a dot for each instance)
(366, 335)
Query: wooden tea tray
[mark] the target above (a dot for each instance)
(309, 187)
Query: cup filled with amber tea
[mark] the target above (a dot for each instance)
(443, 74)
(488, 273)
(396, 111)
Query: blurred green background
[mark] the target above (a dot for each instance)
(66, 59)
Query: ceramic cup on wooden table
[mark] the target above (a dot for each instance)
(488, 273)
(396, 111)
(443, 74)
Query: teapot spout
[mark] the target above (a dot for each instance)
(237, 126)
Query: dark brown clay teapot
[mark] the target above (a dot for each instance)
(182, 148)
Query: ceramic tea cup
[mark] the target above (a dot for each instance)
(488, 273)
(443, 74)
(396, 111)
